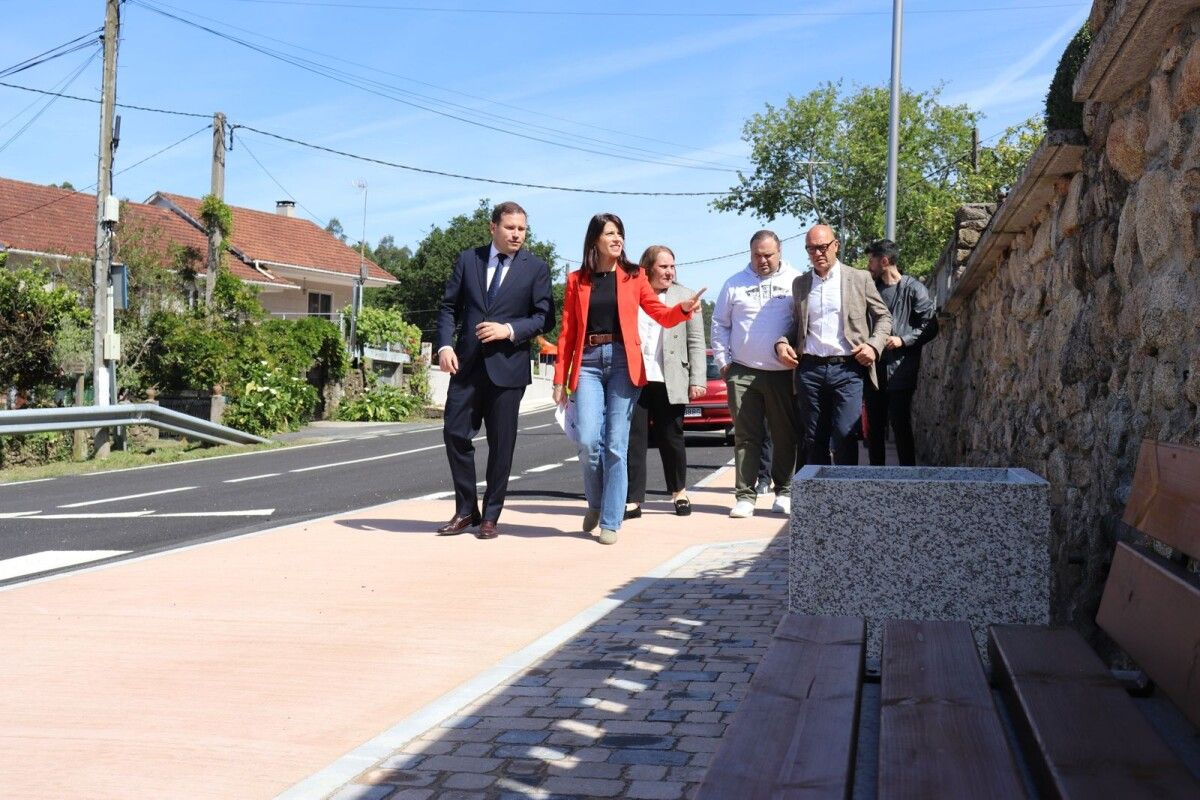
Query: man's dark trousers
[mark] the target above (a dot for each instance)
(472, 399)
(830, 394)
(890, 406)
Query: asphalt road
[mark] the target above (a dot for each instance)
(65, 523)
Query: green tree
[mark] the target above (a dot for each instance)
(334, 228)
(423, 279)
(33, 309)
(389, 257)
(823, 157)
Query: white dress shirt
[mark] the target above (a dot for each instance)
(651, 334)
(492, 263)
(826, 335)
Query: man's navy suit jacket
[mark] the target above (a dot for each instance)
(523, 301)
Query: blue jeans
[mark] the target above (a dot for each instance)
(606, 397)
(831, 395)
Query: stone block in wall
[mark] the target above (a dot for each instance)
(1186, 82)
(1157, 219)
(1159, 117)
(1126, 249)
(1126, 145)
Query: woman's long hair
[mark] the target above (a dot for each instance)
(651, 255)
(591, 259)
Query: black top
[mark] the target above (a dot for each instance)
(602, 305)
(914, 320)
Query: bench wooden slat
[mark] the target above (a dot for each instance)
(794, 734)
(1082, 735)
(1152, 610)
(1164, 502)
(940, 732)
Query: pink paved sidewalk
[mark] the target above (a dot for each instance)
(238, 668)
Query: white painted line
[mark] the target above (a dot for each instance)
(128, 497)
(252, 512)
(535, 427)
(712, 476)
(285, 449)
(15, 514)
(434, 496)
(544, 468)
(22, 483)
(96, 515)
(366, 755)
(253, 477)
(368, 458)
(51, 559)
(572, 458)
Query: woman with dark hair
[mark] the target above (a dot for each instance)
(600, 363)
(676, 372)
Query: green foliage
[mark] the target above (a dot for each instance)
(1062, 112)
(381, 403)
(235, 299)
(391, 258)
(334, 229)
(423, 279)
(214, 213)
(848, 133)
(189, 351)
(379, 327)
(314, 342)
(35, 449)
(33, 310)
(270, 400)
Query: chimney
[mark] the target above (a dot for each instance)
(285, 208)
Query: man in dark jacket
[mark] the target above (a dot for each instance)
(914, 323)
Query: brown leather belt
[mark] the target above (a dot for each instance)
(594, 339)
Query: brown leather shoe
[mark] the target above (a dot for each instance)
(458, 523)
(487, 530)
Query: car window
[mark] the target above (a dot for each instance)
(714, 374)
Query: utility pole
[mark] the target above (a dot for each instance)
(102, 340)
(217, 189)
(975, 149)
(356, 302)
(894, 119)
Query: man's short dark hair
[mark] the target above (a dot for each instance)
(763, 234)
(507, 207)
(885, 248)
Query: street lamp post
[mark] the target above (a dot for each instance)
(894, 119)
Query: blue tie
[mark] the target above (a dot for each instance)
(494, 286)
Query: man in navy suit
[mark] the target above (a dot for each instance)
(499, 296)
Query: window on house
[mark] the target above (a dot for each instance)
(320, 305)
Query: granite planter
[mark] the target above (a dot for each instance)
(941, 543)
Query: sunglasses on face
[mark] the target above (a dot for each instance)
(819, 248)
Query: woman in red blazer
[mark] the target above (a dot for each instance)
(600, 363)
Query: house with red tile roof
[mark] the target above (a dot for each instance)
(48, 224)
(320, 266)
(299, 268)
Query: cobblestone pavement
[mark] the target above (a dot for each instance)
(631, 708)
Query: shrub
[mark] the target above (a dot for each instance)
(1062, 112)
(35, 449)
(270, 401)
(381, 403)
(32, 311)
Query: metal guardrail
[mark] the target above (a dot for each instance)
(41, 420)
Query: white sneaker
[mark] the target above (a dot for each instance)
(782, 505)
(607, 536)
(742, 509)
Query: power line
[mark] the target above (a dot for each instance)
(477, 179)
(360, 83)
(128, 106)
(51, 101)
(668, 14)
(283, 189)
(66, 48)
(463, 94)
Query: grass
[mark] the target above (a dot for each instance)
(161, 451)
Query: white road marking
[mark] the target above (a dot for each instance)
(572, 458)
(434, 496)
(15, 514)
(438, 446)
(51, 559)
(253, 477)
(252, 512)
(544, 468)
(127, 497)
(95, 515)
(535, 427)
(22, 483)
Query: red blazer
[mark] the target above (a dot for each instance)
(632, 291)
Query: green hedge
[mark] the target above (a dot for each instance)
(1062, 112)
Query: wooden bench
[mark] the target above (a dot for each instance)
(940, 733)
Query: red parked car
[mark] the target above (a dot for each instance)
(711, 412)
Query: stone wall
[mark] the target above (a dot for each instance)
(1081, 335)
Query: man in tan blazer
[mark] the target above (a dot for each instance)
(841, 327)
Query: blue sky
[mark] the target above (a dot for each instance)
(671, 83)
